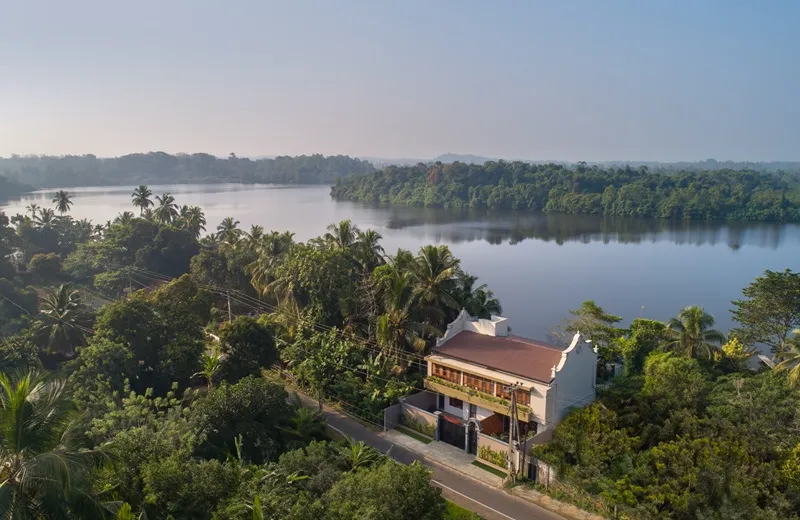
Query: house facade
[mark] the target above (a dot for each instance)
(477, 364)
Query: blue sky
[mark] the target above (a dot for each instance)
(571, 80)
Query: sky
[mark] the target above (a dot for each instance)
(573, 80)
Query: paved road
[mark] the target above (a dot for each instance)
(489, 502)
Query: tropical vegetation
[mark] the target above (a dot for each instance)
(621, 191)
(146, 363)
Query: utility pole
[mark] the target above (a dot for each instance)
(229, 307)
(130, 283)
(512, 433)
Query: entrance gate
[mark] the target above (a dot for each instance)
(451, 431)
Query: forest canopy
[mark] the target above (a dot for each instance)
(624, 191)
(43, 171)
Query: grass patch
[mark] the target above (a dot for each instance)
(456, 512)
(495, 471)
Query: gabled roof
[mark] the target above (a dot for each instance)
(511, 354)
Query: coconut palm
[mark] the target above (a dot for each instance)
(358, 454)
(434, 275)
(141, 198)
(692, 333)
(307, 425)
(228, 231)
(46, 218)
(478, 301)
(270, 250)
(45, 468)
(397, 330)
(368, 251)
(791, 359)
(32, 208)
(255, 235)
(63, 322)
(342, 235)
(193, 219)
(63, 201)
(167, 210)
(124, 218)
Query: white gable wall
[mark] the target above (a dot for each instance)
(574, 384)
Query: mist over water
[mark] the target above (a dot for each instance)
(539, 265)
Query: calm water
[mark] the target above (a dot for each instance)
(540, 266)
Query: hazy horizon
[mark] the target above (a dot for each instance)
(615, 81)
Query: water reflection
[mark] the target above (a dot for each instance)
(512, 228)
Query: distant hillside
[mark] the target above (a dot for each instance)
(163, 168)
(707, 165)
(10, 188)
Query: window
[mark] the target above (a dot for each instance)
(456, 403)
(441, 402)
(448, 374)
(504, 391)
(478, 383)
(523, 397)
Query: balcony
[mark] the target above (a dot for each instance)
(472, 396)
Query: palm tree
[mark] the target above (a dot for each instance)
(692, 333)
(141, 198)
(307, 425)
(167, 210)
(397, 329)
(124, 218)
(45, 470)
(255, 235)
(46, 218)
(358, 454)
(479, 302)
(32, 208)
(211, 362)
(342, 235)
(228, 231)
(434, 274)
(193, 220)
(791, 359)
(369, 252)
(270, 250)
(63, 201)
(63, 320)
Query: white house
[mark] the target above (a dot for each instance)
(476, 362)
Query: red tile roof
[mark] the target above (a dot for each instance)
(512, 354)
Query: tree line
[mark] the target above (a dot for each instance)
(625, 191)
(43, 171)
(136, 360)
(695, 428)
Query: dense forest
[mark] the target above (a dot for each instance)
(626, 191)
(43, 171)
(690, 430)
(10, 188)
(147, 370)
(136, 366)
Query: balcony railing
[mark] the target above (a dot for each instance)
(488, 401)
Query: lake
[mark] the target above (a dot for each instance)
(540, 266)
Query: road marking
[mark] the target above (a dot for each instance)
(493, 510)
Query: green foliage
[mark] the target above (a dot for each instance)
(391, 491)
(456, 512)
(769, 311)
(46, 467)
(161, 330)
(46, 268)
(255, 409)
(162, 168)
(498, 458)
(427, 429)
(673, 382)
(625, 191)
(644, 336)
(246, 347)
